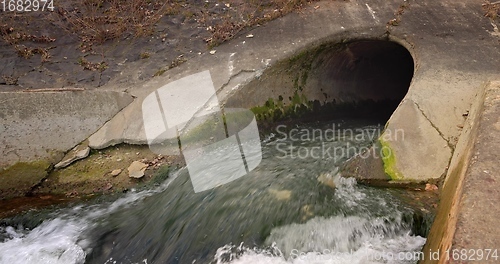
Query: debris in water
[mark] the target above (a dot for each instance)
(326, 179)
(281, 195)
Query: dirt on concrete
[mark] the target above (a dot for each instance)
(106, 171)
(86, 43)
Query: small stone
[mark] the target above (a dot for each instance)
(136, 169)
(118, 160)
(250, 36)
(116, 172)
(281, 195)
(213, 52)
(430, 187)
(108, 186)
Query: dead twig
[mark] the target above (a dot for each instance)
(53, 90)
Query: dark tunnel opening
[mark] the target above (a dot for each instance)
(357, 79)
(366, 79)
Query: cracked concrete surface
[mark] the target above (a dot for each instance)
(456, 51)
(423, 153)
(452, 147)
(451, 42)
(467, 213)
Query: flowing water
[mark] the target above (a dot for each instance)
(293, 208)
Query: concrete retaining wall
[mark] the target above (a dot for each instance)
(37, 128)
(468, 210)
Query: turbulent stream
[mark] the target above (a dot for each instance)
(293, 208)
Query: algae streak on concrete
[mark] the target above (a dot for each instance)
(39, 127)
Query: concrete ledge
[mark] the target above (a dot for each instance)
(467, 210)
(478, 212)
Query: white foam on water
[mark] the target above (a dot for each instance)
(330, 241)
(54, 241)
(61, 240)
(335, 240)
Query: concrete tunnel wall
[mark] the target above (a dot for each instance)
(351, 73)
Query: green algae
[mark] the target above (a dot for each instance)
(389, 160)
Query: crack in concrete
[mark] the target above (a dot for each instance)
(370, 10)
(451, 146)
(234, 76)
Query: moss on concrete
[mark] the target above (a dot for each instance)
(93, 174)
(389, 160)
(20, 178)
(275, 110)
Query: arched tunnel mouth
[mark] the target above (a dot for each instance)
(352, 79)
(369, 77)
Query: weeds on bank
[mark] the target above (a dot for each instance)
(253, 13)
(87, 65)
(178, 61)
(27, 52)
(13, 38)
(97, 21)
